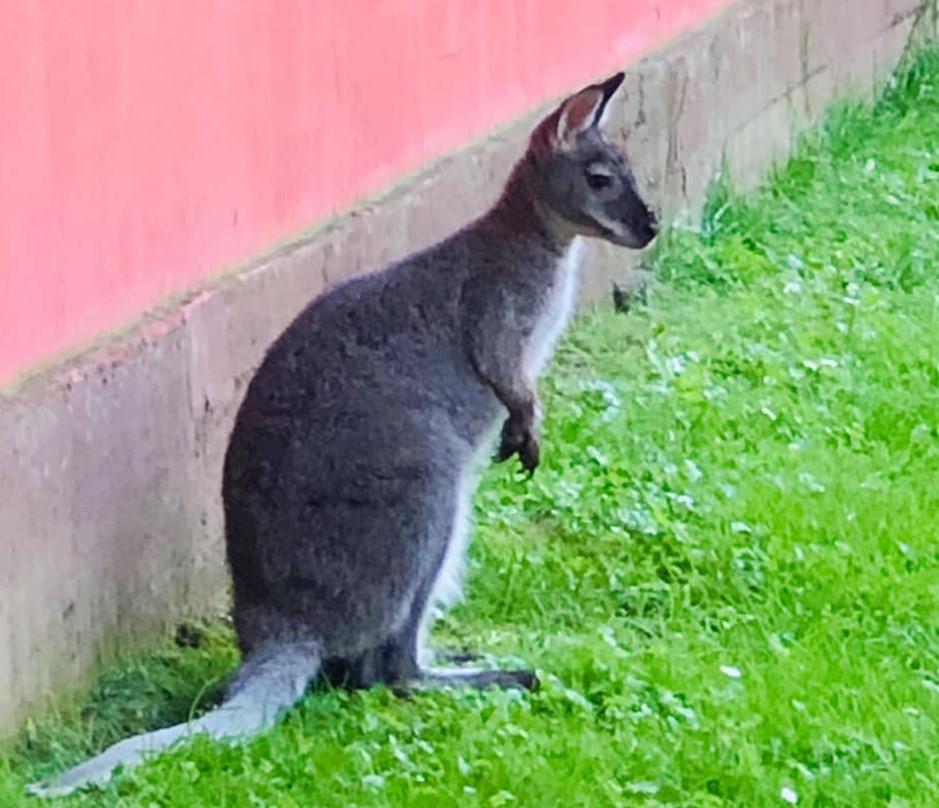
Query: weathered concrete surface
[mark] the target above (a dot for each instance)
(110, 465)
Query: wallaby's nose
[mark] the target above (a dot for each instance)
(651, 227)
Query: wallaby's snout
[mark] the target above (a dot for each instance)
(583, 178)
(628, 221)
(648, 228)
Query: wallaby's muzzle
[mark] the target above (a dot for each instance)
(635, 230)
(647, 230)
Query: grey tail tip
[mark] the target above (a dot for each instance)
(43, 792)
(268, 683)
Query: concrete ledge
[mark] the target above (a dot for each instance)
(110, 463)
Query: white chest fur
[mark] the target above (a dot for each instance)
(557, 312)
(560, 305)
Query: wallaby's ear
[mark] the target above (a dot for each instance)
(609, 87)
(585, 109)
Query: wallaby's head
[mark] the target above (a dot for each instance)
(584, 179)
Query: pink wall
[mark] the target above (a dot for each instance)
(147, 144)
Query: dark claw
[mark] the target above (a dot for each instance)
(510, 442)
(527, 680)
(504, 452)
(530, 455)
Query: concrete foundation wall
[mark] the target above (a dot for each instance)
(110, 465)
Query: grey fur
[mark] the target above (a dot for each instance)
(267, 683)
(355, 449)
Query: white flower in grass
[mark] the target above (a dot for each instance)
(731, 671)
(675, 365)
(789, 795)
(685, 500)
(809, 481)
(643, 787)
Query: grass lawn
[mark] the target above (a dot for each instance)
(726, 570)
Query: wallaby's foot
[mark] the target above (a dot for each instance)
(478, 678)
(456, 657)
(391, 665)
(519, 437)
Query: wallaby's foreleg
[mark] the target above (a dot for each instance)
(497, 353)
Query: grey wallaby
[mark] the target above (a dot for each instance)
(354, 456)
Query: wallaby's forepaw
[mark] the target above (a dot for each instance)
(519, 438)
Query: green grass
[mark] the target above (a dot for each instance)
(727, 569)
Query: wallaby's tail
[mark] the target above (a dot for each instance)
(268, 683)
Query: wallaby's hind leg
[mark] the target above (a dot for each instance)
(401, 660)
(393, 662)
(462, 657)
(432, 677)
(478, 678)
(443, 587)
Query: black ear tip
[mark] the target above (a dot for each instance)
(613, 82)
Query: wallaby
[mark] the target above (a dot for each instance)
(353, 459)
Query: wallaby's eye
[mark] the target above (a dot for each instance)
(599, 180)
